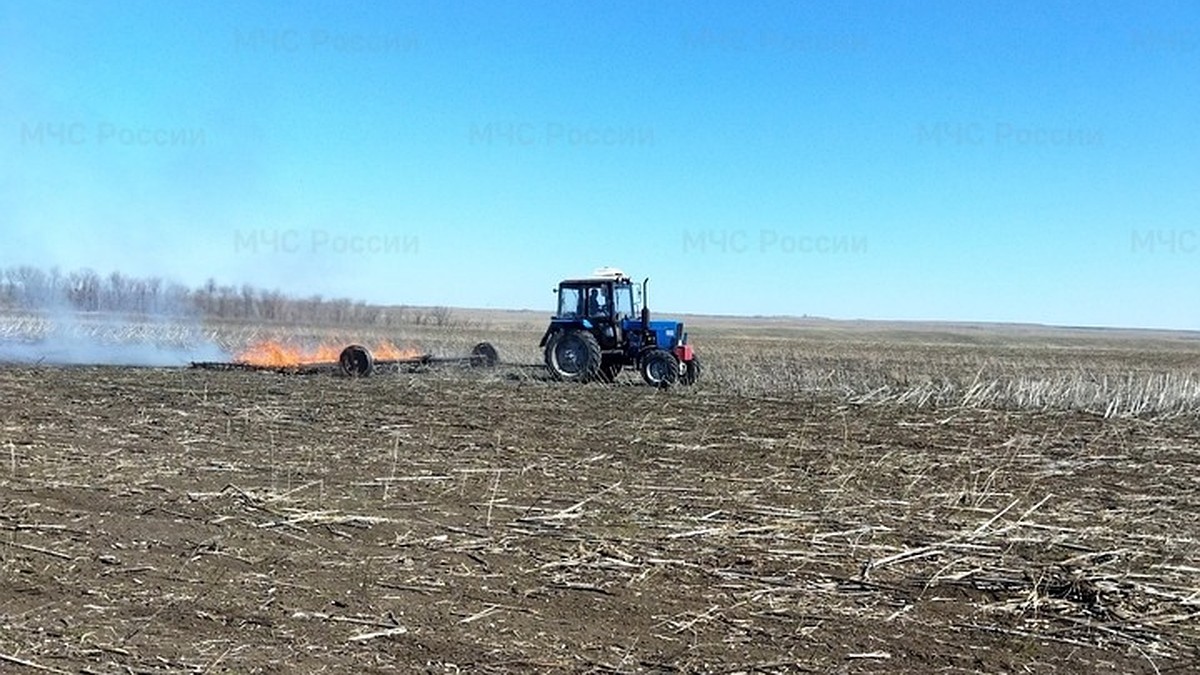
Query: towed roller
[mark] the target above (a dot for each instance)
(484, 355)
(357, 360)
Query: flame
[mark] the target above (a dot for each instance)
(277, 354)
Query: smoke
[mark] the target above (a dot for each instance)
(55, 333)
(73, 340)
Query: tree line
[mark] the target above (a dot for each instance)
(34, 289)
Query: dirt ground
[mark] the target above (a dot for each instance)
(175, 520)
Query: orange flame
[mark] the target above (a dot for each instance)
(276, 354)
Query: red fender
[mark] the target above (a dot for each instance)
(684, 353)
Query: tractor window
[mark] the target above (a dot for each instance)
(569, 301)
(623, 303)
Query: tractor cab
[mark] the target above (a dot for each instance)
(598, 330)
(595, 298)
(601, 305)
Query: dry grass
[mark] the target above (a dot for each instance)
(1097, 374)
(1111, 374)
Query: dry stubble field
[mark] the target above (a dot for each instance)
(869, 506)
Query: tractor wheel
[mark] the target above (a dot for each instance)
(356, 361)
(611, 368)
(573, 356)
(660, 368)
(691, 371)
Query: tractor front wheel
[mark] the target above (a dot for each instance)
(573, 356)
(691, 371)
(660, 368)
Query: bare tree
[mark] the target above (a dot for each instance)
(85, 290)
(441, 315)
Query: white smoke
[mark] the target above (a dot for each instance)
(54, 333)
(77, 340)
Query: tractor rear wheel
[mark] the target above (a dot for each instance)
(691, 371)
(573, 356)
(660, 368)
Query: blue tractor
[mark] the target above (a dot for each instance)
(597, 332)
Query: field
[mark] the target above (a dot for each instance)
(832, 497)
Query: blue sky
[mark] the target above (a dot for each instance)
(974, 161)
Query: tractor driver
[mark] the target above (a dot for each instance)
(597, 303)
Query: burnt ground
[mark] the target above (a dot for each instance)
(188, 521)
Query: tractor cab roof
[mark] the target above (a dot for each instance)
(591, 281)
(601, 274)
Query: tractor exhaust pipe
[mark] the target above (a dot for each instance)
(645, 304)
